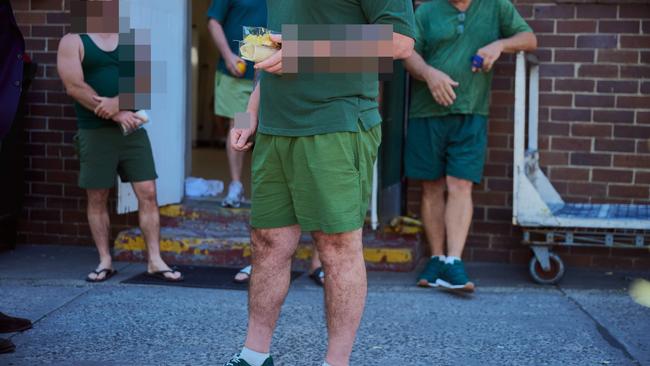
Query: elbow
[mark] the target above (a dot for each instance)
(404, 49)
(69, 89)
(532, 42)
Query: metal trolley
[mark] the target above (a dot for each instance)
(545, 218)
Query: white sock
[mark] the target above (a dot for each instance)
(326, 364)
(252, 357)
(451, 260)
(441, 258)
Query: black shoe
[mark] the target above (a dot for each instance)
(6, 346)
(9, 324)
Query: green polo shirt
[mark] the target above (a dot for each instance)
(447, 42)
(308, 104)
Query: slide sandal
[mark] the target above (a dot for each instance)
(247, 271)
(318, 276)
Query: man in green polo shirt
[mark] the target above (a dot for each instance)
(447, 132)
(312, 166)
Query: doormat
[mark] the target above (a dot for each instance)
(199, 277)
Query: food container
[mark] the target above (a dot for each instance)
(142, 114)
(257, 45)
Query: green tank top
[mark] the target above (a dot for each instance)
(101, 72)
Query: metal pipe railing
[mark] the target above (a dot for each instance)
(520, 128)
(533, 104)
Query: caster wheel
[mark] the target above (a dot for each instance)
(550, 277)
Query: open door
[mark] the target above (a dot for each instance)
(167, 21)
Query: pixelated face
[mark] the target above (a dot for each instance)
(95, 16)
(337, 48)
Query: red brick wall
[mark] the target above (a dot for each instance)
(595, 121)
(55, 206)
(594, 124)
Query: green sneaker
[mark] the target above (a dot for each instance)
(431, 272)
(236, 361)
(454, 277)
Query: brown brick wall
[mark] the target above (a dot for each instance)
(595, 123)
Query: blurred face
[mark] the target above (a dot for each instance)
(95, 16)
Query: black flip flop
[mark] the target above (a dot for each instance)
(161, 275)
(6, 346)
(318, 276)
(109, 273)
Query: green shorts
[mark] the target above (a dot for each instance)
(231, 95)
(453, 145)
(105, 152)
(322, 182)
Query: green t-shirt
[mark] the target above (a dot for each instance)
(307, 104)
(448, 43)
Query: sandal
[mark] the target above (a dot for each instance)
(318, 276)
(109, 273)
(247, 271)
(161, 275)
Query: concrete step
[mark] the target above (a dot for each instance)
(202, 233)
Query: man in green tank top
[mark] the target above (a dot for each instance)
(89, 67)
(457, 43)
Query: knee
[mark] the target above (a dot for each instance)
(433, 188)
(264, 248)
(97, 199)
(336, 249)
(147, 194)
(459, 187)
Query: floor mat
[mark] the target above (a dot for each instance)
(199, 277)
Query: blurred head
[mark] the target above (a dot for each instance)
(95, 16)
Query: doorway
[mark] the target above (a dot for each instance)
(208, 132)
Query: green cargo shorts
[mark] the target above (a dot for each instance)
(105, 152)
(453, 145)
(322, 182)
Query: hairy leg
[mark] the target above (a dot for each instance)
(235, 158)
(433, 214)
(458, 215)
(345, 291)
(99, 223)
(150, 225)
(273, 250)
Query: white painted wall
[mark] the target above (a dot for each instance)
(167, 20)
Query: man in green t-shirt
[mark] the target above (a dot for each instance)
(457, 44)
(315, 147)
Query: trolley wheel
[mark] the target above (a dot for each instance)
(550, 277)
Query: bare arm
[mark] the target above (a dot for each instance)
(69, 67)
(239, 136)
(525, 41)
(440, 85)
(254, 102)
(219, 38)
(402, 46)
(416, 66)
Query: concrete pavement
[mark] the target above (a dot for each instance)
(587, 320)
